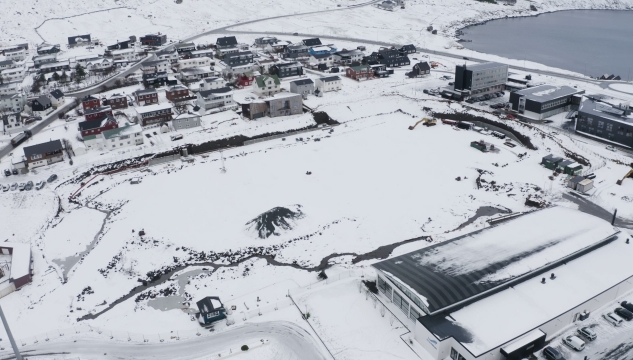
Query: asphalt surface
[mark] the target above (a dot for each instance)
(291, 342)
(588, 207)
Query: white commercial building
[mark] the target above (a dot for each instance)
(500, 293)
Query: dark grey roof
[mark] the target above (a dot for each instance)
(44, 101)
(290, 64)
(330, 78)
(57, 94)
(408, 47)
(206, 305)
(225, 89)
(485, 66)
(43, 148)
(302, 82)
(226, 41)
(97, 110)
(6, 62)
(145, 91)
(424, 65)
(546, 93)
(93, 124)
(312, 42)
(321, 56)
(577, 179)
(72, 40)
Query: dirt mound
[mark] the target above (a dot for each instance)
(275, 221)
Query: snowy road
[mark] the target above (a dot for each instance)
(289, 340)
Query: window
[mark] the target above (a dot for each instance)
(454, 354)
(609, 127)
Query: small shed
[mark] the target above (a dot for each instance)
(211, 310)
(585, 185)
(573, 169)
(572, 183)
(550, 161)
(561, 165)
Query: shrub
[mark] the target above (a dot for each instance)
(244, 347)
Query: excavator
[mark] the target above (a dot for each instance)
(619, 182)
(425, 122)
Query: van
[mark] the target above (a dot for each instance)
(574, 342)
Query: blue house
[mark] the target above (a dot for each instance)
(211, 310)
(322, 50)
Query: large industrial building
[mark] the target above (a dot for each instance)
(609, 122)
(541, 102)
(480, 79)
(502, 292)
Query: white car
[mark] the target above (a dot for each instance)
(5, 188)
(21, 186)
(613, 319)
(574, 342)
(610, 148)
(40, 185)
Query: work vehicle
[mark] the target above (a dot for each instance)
(574, 342)
(624, 314)
(587, 333)
(20, 138)
(613, 319)
(552, 354)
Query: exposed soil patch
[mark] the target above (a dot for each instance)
(276, 219)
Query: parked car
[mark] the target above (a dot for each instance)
(451, 83)
(510, 116)
(470, 101)
(5, 188)
(14, 171)
(7, 172)
(624, 314)
(497, 112)
(28, 186)
(426, 91)
(612, 319)
(465, 58)
(574, 342)
(14, 186)
(52, 178)
(587, 333)
(625, 304)
(610, 148)
(21, 186)
(40, 185)
(552, 354)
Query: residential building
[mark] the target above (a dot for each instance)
(226, 42)
(89, 102)
(168, 55)
(211, 310)
(389, 57)
(285, 70)
(329, 83)
(296, 52)
(13, 123)
(480, 79)
(202, 53)
(604, 121)
(57, 98)
(177, 93)
(212, 83)
(234, 72)
(322, 50)
(55, 67)
(347, 57)
(221, 52)
(15, 54)
(194, 74)
(124, 136)
(117, 101)
(215, 98)
(44, 59)
(146, 97)
(155, 80)
(408, 49)
(154, 114)
(419, 70)
(95, 127)
(186, 121)
(194, 62)
(541, 102)
(13, 102)
(44, 154)
(97, 113)
(154, 40)
(312, 42)
(302, 87)
(7, 64)
(8, 88)
(120, 45)
(266, 85)
(4, 49)
(79, 40)
(265, 64)
(458, 287)
(48, 49)
(264, 41)
(285, 104)
(41, 106)
(150, 67)
(323, 61)
(183, 48)
(13, 75)
(246, 79)
(238, 58)
(360, 72)
(123, 55)
(98, 65)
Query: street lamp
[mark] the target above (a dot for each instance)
(6, 328)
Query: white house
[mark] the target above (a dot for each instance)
(212, 83)
(202, 53)
(15, 74)
(348, 56)
(321, 59)
(265, 64)
(127, 135)
(6, 64)
(57, 98)
(266, 85)
(123, 54)
(13, 123)
(7, 88)
(194, 62)
(329, 83)
(222, 52)
(186, 121)
(99, 64)
(194, 73)
(215, 98)
(13, 102)
(150, 67)
(169, 55)
(18, 54)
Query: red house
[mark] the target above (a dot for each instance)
(359, 72)
(97, 113)
(146, 97)
(97, 126)
(117, 101)
(245, 80)
(177, 93)
(90, 102)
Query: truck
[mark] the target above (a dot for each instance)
(20, 138)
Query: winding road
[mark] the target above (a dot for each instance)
(289, 341)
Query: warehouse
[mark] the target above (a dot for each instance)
(462, 295)
(541, 102)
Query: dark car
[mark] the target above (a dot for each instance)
(426, 91)
(497, 112)
(29, 186)
(552, 354)
(14, 171)
(451, 83)
(465, 58)
(52, 178)
(7, 172)
(625, 304)
(624, 314)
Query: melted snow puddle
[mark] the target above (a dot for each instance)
(174, 302)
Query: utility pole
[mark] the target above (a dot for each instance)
(6, 328)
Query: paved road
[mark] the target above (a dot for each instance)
(290, 341)
(588, 207)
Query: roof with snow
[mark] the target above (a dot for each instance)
(475, 264)
(548, 92)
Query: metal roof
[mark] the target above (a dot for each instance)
(43, 148)
(330, 78)
(546, 93)
(226, 41)
(485, 66)
(302, 82)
